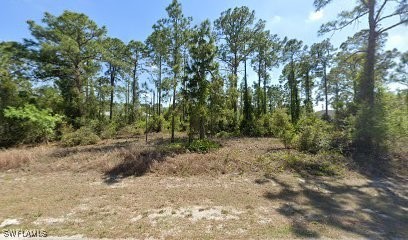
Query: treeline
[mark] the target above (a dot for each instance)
(72, 78)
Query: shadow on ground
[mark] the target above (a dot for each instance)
(136, 164)
(377, 209)
(64, 152)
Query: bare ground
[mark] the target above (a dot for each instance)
(89, 192)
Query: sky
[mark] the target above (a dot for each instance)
(133, 19)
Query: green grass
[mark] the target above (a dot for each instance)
(203, 146)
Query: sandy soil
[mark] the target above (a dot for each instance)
(242, 205)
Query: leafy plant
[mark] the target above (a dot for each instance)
(203, 146)
(313, 134)
(82, 136)
(34, 125)
(281, 127)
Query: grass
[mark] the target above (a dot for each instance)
(322, 164)
(248, 188)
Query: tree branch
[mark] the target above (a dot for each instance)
(391, 15)
(380, 10)
(392, 26)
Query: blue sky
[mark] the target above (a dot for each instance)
(127, 19)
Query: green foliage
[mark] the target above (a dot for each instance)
(67, 47)
(282, 127)
(397, 116)
(158, 124)
(264, 126)
(34, 125)
(313, 134)
(202, 146)
(82, 136)
(131, 130)
(223, 134)
(203, 52)
(109, 131)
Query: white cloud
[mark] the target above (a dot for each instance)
(276, 19)
(315, 16)
(398, 41)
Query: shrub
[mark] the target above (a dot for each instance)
(223, 134)
(131, 131)
(265, 125)
(157, 124)
(202, 146)
(109, 131)
(31, 124)
(281, 127)
(82, 136)
(313, 134)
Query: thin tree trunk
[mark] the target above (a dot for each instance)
(258, 102)
(264, 91)
(326, 92)
(159, 87)
(134, 91)
(173, 123)
(112, 83)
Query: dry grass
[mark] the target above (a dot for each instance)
(126, 188)
(20, 157)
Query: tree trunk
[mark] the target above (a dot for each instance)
(309, 107)
(112, 84)
(134, 91)
(159, 87)
(235, 89)
(258, 100)
(264, 91)
(326, 99)
(202, 128)
(368, 138)
(173, 108)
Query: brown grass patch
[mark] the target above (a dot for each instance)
(17, 158)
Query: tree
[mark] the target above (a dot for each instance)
(266, 56)
(235, 28)
(158, 44)
(137, 51)
(114, 56)
(305, 69)
(202, 53)
(15, 87)
(379, 14)
(323, 54)
(67, 49)
(401, 72)
(292, 51)
(177, 26)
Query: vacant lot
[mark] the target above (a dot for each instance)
(128, 189)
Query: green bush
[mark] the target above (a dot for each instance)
(31, 125)
(157, 124)
(202, 146)
(281, 127)
(223, 134)
(264, 125)
(313, 134)
(109, 131)
(82, 136)
(131, 131)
